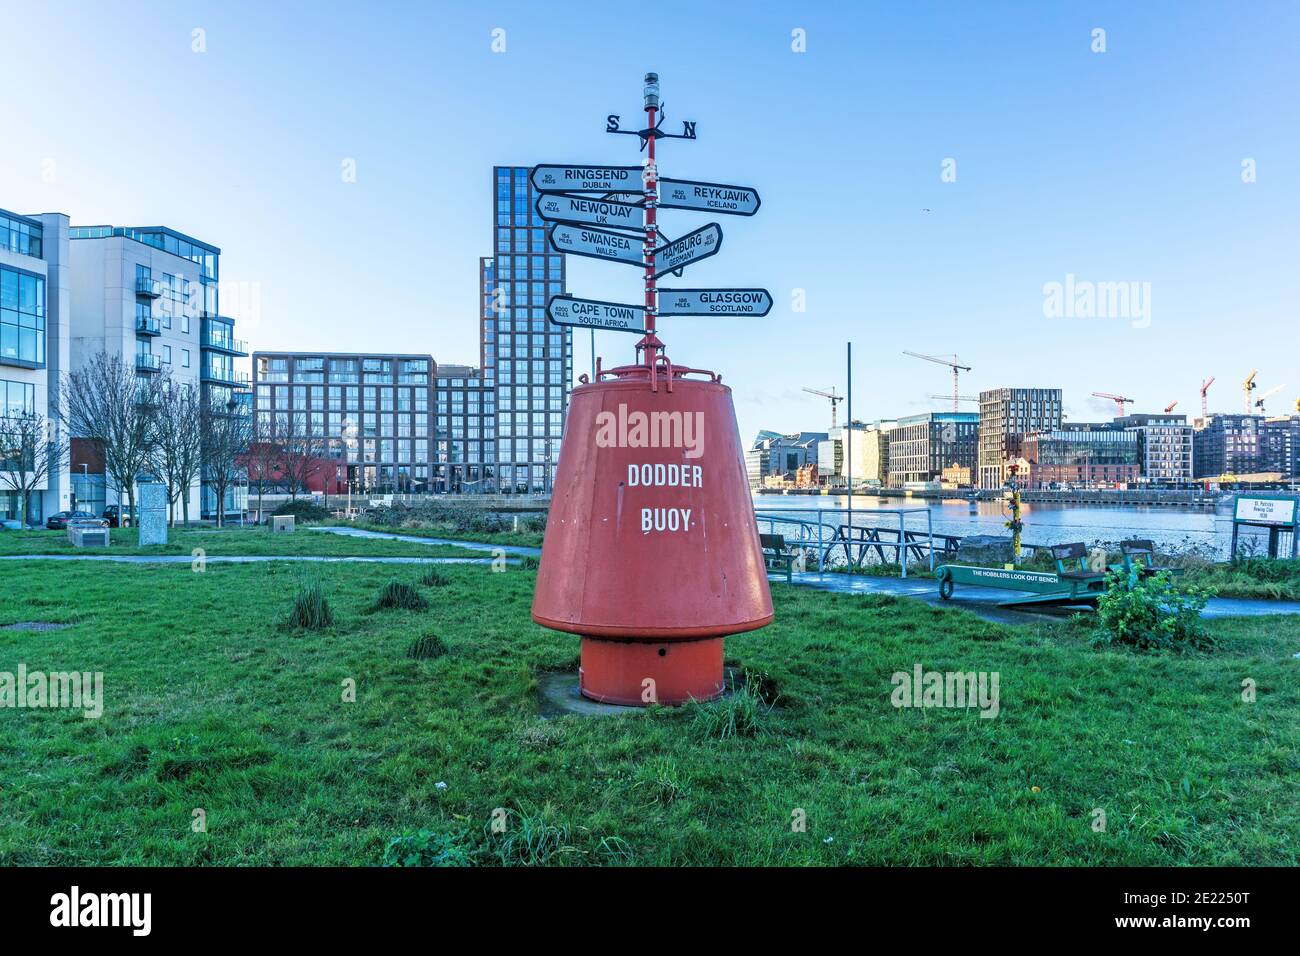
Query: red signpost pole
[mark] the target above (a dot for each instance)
(651, 341)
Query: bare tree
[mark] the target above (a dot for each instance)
(265, 454)
(226, 432)
(31, 449)
(177, 451)
(304, 453)
(106, 402)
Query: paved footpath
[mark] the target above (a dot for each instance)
(981, 601)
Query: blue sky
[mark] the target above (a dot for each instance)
(1122, 166)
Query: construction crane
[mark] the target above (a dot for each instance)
(957, 369)
(1259, 402)
(960, 398)
(1119, 400)
(1205, 402)
(1249, 386)
(1170, 407)
(835, 399)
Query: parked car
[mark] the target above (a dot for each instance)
(59, 520)
(117, 516)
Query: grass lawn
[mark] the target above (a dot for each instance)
(229, 541)
(211, 703)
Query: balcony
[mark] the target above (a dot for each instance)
(147, 325)
(148, 288)
(219, 376)
(147, 362)
(224, 343)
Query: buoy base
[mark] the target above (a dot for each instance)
(640, 673)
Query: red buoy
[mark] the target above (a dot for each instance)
(651, 551)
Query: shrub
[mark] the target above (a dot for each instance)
(431, 577)
(1150, 613)
(426, 848)
(310, 610)
(400, 595)
(302, 510)
(427, 647)
(531, 839)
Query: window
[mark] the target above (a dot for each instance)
(185, 358)
(167, 354)
(22, 318)
(17, 398)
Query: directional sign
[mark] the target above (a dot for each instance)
(597, 244)
(580, 179)
(708, 197)
(593, 314)
(555, 207)
(720, 302)
(692, 247)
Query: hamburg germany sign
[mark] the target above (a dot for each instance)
(589, 313)
(570, 179)
(692, 247)
(599, 212)
(598, 244)
(708, 197)
(755, 302)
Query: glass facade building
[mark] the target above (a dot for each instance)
(526, 360)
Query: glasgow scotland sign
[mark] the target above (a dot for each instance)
(578, 179)
(721, 302)
(585, 209)
(597, 244)
(593, 314)
(708, 197)
(692, 247)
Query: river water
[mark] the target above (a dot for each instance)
(1171, 528)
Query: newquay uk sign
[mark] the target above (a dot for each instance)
(558, 207)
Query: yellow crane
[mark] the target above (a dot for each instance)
(835, 399)
(1248, 386)
(952, 363)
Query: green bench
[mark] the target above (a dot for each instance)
(776, 556)
(1140, 558)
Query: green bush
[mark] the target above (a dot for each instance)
(310, 610)
(400, 596)
(426, 848)
(431, 577)
(742, 714)
(302, 510)
(1151, 613)
(427, 647)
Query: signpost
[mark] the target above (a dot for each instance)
(692, 247)
(591, 313)
(708, 197)
(557, 207)
(720, 302)
(1275, 513)
(591, 179)
(652, 552)
(596, 244)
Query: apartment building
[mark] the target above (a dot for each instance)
(922, 446)
(34, 344)
(1006, 415)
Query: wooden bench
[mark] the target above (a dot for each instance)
(776, 555)
(1072, 562)
(1140, 557)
